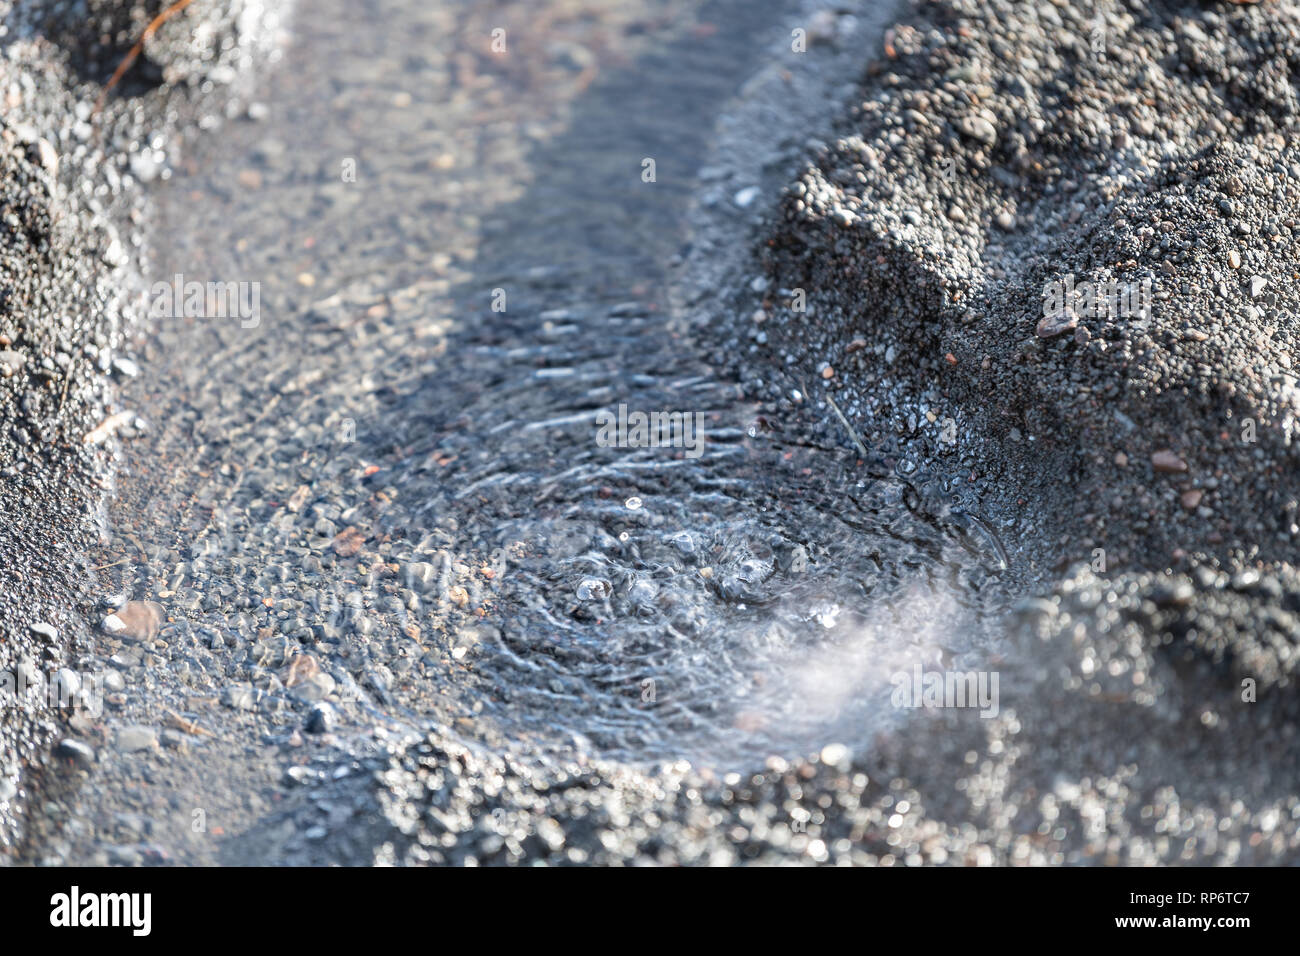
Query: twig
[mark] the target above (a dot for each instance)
(67, 378)
(845, 422)
(134, 52)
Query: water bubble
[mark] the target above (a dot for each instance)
(633, 503)
(684, 542)
(593, 589)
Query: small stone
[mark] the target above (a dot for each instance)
(125, 367)
(321, 719)
(238, 697)
(49, 157)
(80, 754)
(298, 499)
(978, 128)
(1257, 284)
(745, 197)
(1234, 259)
(136, 738)
(1053, 325)
(348, 542)
(1005, 221)
(1166, 461)
(43, 630)
(1121, 459)
(421, 576)
(10, 362)
(1191, 499)
(136, 621)
(828, 372)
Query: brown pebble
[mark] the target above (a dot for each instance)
(1052, 325)
(1166, 461)
(828, 372)
(348, 542)
(141, 620)
(1192, 498)
(1121, 459)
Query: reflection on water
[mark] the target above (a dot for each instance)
(439, 337)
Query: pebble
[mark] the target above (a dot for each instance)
(1050, 326)
(978, 128)
(10, 362)
(81, 754)
(135, 738)
(125, 367)
(422, 576)
(135, 621)
(1166, 461)
(321, 720)
(239, 697)
(348, 542)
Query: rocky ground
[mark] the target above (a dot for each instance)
(69, 269)
(1141, 142)
(424, 638)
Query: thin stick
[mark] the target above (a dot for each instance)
(845, 422)
(67, 378)
(134, 52)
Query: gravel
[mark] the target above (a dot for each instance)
(69, 262)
